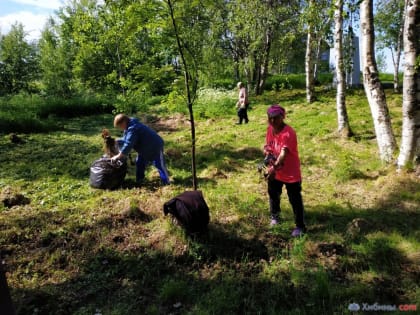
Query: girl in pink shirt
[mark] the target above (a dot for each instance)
(281, 145)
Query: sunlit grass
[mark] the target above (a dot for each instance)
(74, 249)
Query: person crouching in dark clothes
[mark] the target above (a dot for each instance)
(146, 142)
(281, 143)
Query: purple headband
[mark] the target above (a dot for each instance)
(276, 110)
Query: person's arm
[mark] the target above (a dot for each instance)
(282, 156)
(118, 156)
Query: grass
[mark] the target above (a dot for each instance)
(76, 250)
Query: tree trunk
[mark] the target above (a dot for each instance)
(342, 117)
(187, 78)
(373, 88)
(397, 61)
(398, 54)
(317, 58)
(257, 72)
(410, 138)
(266, 58)
(310, 88)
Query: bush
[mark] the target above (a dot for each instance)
(294, 81)
(285, 81)
(227, 84)
(33, 113)
(22, 122)
(75, 107)
(215, 103)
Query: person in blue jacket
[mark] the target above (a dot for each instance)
(146, 142)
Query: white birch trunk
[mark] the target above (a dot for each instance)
(398, 57)
(373, 88)
(410, 139)
(342, 117)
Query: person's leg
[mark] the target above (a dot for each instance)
(295, 198)
(246, 114)
(140, 168)
(274, 193)
(241, 115)
(160, 164)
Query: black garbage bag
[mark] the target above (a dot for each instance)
(190, 210)
(105, 174)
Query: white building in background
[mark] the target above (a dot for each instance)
(353, 77)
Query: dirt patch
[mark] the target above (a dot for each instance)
(171, 123)
(358, 227)
(11, 198)
(327, 254)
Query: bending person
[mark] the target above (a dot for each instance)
(146, 142)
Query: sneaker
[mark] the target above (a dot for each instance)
(274, 221)
(297, 232)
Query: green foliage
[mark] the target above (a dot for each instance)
(33, 113)
(294, 81)
(346, 169)
(176, 102)
(174, 291)
(55, 62)
(18, 61)
(215, 103)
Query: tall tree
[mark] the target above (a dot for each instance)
(189, 21)
(389, 26)
(344, 129)
(55, 61)
(410, 139)
(252, 29)
(18, 61)
(372, 85)
(316, 18)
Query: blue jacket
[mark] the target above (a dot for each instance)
(142, 139)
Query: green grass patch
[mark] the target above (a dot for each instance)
(71, 249)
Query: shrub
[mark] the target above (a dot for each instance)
(285, 81)
(75, 107)
(215, 103)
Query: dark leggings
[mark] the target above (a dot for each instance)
(242, 115)
(295, 199)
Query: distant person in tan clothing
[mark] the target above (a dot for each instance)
(242, 104)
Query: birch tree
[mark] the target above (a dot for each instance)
(372, 85)
(342, 117)
(389, 23)
(316, 19)
(410, 140)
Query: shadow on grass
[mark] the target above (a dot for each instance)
(224, 157)
(139, 279)
(218, 272)
(392, 213)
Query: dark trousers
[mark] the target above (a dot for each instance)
(295, 198)
(243, 115)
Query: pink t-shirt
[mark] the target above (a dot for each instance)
(243, 97)
(290, 171)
